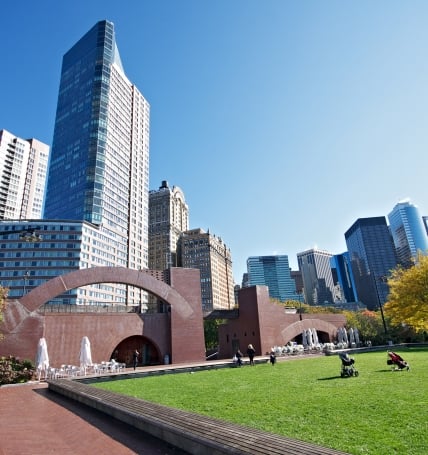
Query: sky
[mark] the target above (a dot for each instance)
(282, 121)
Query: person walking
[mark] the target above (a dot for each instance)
(238, 356)
(251, 352)
(135, 358)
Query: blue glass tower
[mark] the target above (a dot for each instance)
(408, 232)
(341, 263)
(274, 272)
(99, 167)
(372, 256)
(96, 208)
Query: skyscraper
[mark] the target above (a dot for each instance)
(99, 169)
(341, 265)
(317, 277)
(23, 166)
(168, 219)
(208, 253)
(408, 232)
(273, 272)
(372, 256)
(96, 209)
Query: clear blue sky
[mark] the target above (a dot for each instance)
(282, 121)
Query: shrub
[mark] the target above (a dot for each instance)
(14, 370)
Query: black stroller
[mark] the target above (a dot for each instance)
(397, 362)
(348, 368)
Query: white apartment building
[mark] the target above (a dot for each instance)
(23, 168)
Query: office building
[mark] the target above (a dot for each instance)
(208, 253)
(408, 232)
(23, 167)
(318, 285)
(168, 219)
(99, 167)
(296, 275)
(425, 221)
(273, 272)
(343, 278)
(372, 255)
(35, 251)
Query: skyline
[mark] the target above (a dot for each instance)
(282, 130)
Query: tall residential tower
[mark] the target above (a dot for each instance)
(23, 167)
(96, 209)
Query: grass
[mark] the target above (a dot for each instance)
(378, 412)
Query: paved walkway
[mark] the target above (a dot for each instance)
(35, 421)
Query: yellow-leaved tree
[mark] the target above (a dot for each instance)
(408, 295)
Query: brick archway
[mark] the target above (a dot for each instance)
(294, 330)
(23, 324)
(141, 279)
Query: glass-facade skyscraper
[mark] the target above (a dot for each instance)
(99, 167)
(96, 207)
(372, 256)
(408, 232)
(341, 263)
(273, 272)
(23, 167)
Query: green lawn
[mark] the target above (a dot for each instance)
(378, 412)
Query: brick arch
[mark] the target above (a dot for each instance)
(56, 286)
(296, 329)
(23, 324)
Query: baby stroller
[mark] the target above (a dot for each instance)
(397, 362)
(348, 368)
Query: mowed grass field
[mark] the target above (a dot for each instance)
(379, 412)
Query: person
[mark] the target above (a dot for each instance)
(135, 358)
(272, 358)
(251, 352)
(238, 356)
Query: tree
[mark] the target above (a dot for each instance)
(369, 325)
(211, 332)
(408, 295)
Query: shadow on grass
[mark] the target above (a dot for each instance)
(330, 378)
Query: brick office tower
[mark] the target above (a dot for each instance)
(168, 219)
(208, 253)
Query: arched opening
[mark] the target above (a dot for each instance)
(148, 352)
(323, 337)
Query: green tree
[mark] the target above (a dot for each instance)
(211, 332)
(408, 296)
(369, 325)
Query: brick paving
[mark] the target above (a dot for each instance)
(35, 421)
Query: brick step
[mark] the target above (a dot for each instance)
(194, 433)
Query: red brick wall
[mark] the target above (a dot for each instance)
(265, 324)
